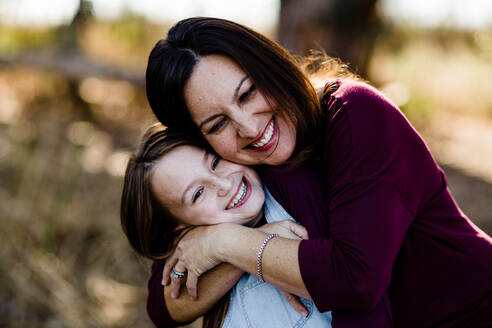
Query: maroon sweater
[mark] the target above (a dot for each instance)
(385, 224)
(393, 222)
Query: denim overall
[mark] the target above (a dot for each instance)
(259, 304)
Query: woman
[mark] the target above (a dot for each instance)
(393, 225)
(172, 185)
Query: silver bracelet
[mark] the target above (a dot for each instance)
(260, 254)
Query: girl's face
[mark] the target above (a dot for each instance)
(199, 188)
(234, 116)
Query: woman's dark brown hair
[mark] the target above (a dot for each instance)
(271, 68)
(148, 225)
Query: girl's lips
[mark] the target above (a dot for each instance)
(270, 143)
(245, 198)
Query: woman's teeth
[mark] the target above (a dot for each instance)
(267, 136)
(239, 196)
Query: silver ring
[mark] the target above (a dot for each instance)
(177, 274)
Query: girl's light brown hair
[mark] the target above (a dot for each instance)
(148, 225)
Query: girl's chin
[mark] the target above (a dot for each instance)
(253, 222)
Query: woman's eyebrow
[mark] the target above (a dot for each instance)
(238, 87)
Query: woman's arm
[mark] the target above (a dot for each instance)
(203, 248)
(350, 270)
(370, 184)
(280, 265)
(377, 172)
(212, 286)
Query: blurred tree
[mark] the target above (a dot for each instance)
(68, 44)
(343, 28)
(67, 57)
(69, 34)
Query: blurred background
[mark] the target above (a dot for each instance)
(72, 107)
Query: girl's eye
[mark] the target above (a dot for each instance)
(217, 126)
(247, 93)
(215, 162)
(197, 194)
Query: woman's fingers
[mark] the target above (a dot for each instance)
(191, 285)
(298, 230)
(168, 267)
(295, 303)
(178, 274)
(193, 254)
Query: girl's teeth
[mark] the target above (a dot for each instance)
(240, 195)
(266, 137)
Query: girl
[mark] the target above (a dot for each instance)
(171, 185)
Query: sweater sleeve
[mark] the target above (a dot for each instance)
(156, 304)
(369, 151)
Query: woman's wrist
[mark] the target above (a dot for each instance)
(227, 240)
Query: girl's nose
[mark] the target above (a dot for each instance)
(224, 185)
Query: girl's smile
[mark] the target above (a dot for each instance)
(200, 188)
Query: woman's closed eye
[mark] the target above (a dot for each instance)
(197, 194)
(245, 95)
(217, 125)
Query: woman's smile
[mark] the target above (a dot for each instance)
(267, 139)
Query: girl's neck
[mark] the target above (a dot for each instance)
(258, 220)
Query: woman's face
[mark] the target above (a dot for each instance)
(199, 188)
(234, 116)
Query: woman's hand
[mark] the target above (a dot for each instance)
(286, 229)
(194, 254)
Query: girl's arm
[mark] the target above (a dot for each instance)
(213, 285)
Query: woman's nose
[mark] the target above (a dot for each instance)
(247, 131)
(246, 125)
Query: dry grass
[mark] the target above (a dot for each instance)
(64, 259)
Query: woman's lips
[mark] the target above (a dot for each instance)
(267, 138)
(241, 196)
